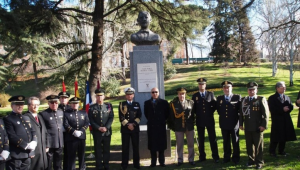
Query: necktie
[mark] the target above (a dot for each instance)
(250, 99)
(227, 99)
(282, 98)
(202, 95)
(130, 103)
(36, 118)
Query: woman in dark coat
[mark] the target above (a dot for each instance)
(282, 129)
(157, 112)
(298, 104)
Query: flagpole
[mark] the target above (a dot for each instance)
(91, 155)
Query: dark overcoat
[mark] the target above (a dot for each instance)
(282, 128)
(54, 125)
(228, 111)
(298, 124)
(157, 114)
(204, 109)
(39, 161)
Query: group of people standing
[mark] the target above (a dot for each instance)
(42, 140)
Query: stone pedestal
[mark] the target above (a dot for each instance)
(151, 58)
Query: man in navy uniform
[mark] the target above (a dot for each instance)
(228, 109)
(204, 108)
(4, 149)
(156, 111)
(130, 116)
(101, 115)
(22, 138)
(39, 161)
(75, 122)
(53, 118)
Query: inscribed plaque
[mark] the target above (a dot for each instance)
(147, 76)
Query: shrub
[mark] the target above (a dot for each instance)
(4, 100)
(169, 70)
(111, 86)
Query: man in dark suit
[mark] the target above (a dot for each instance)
(39, 161)
(53, 118)
(156, 111)
(182, 120)
(130, 116)
(254, 119)
(228, 106)
(204, 108)
(101, 115)
(22, 138)
(75, 122)
(63, 105)
(282, 129)
(4, 147)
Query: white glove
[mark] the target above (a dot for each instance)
(4, 154)
(77, 133)
(32, 145)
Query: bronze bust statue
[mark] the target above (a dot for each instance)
(144, 36)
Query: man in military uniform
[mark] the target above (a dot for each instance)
(22, 138)
(228, 109)
(39, 161)
(75, 122)
(182, 119)
(4, 147)
(53, 118)
(282, 128)
(156, 111)
(130, 116)
(204, 108)
(63, 105)
(254, 119)
(101, 116)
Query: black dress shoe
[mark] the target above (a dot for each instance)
(258, 166)
(282, 153)
(179, 164)
(216, 160)
(162, 165)
(152, 165)
(225, 161)
(235, 162)
(249, 164)
(137, 167)
(192, 163)
(202, 160)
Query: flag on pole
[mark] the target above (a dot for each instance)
(77, 92)
(98, 84)
(63, 85)
(88, 98)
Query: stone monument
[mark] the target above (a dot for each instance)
(146, 72)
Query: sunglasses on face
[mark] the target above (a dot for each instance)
(53, 102)
(154, 92)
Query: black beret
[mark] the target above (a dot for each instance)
(99, 92)
(201, 80)
(19, 99)
(64, 94)
(252, 85)
(181, 90)
(74, 100)
(52, 98)
(226, 83)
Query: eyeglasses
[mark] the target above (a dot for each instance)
(53, 102)
(35, 105)
(154, 92)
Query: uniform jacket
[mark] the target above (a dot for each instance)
(228, 111)
(64, 107)
(282, 128)
(298, 124)
(75, 120)
(40, 161)
(4, 142)
(130, 114)
(254, 113)
(157, 114)
(54, 125)
(204, 109)
(186, 122)
(101, 116)
(20, 133)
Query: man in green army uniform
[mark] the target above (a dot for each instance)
(101, 116)
(254, 117)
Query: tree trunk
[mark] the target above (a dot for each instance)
(97, 46)
(186, 51)
(35, 73)
(123, 59)
(291, 66)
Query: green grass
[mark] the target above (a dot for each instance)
(186, 77)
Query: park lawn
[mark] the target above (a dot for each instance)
(186, 77)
